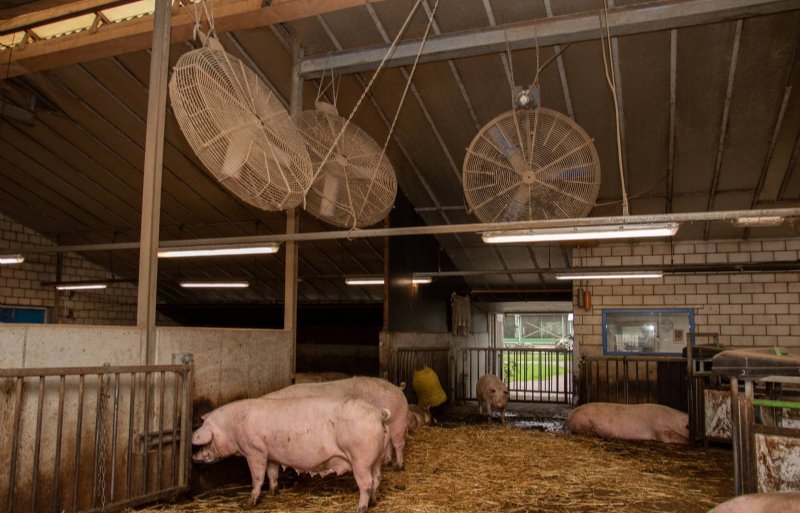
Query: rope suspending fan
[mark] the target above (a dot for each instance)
(238, 128)
(530, 163)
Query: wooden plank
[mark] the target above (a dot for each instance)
(133, 35)
(51, 14)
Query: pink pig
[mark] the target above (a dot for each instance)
(783, 502)
(315, 435)
(492, 393)
(631, 422)
(378, 392)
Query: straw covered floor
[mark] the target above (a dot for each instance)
(503, 469)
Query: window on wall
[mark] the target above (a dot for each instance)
(536, 329)
(22, 315)
(663, 331)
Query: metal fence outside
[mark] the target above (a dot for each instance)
(532, 375)
(85, 439)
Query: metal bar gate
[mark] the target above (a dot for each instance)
(532, 375)
(407, 360)
(85, 439)
(635, 379)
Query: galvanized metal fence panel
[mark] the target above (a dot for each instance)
(533, 375)
(406, 361)
(635, 379)
(82, 439)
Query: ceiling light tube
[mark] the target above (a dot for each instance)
(364, 280)
(745, 222)
(12, 259)
(421, 280)
(215, 284)
(81, 286)
(610, 275)
(620, 231)
(260, 249)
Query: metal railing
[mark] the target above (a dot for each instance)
(534, 375)
(634, 379)
(82, 439)
(407, 360)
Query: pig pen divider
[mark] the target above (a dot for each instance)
(84, 439)
(635, 379)
(406, 361)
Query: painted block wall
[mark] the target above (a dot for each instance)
(746, 309)
(20, 285)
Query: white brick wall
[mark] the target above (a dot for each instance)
(20, 285)
(746, 309)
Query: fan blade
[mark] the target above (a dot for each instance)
(518, 202)
(510, 150)
(330, 190)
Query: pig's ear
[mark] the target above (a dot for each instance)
(202, 436)
(492, 391)
(205, 416)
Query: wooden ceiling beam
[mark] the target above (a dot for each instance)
(56, 13)
(136, 34)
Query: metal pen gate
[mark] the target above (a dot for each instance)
(408, 360)
(532, 375)
(85, 439)
(635, 379)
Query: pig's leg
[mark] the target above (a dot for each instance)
(398, 442)
(363, 476)
(258, 465)
(272, 475)
(376, 480)
(488, 413)
(480, 406)
(387, 457)
(503, 416)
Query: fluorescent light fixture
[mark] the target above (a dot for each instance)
(745, 222)
(260, 249)
(12, 259)
(364, 280)
(421, 280)
(620, 231)
(81, 286)
(609, 275)
(215, 284)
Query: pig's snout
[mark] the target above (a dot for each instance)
(204, 456)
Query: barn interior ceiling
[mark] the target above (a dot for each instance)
(710, 120)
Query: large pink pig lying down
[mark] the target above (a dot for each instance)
(378, 392)
(782, 502)
(318, 435)
(631, 422)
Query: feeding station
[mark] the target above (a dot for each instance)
(766, 448)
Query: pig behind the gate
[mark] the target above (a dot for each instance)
(631, 422)
(315, 435)
(378, 392)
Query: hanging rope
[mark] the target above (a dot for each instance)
(364, 94)
(605, 41)
(400, 106)
(208, 9)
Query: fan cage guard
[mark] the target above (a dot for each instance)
(527, 165)
(239, 130)
(357, 186)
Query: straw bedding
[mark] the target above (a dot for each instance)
(492, 468)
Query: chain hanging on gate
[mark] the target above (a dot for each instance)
(105, 379)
